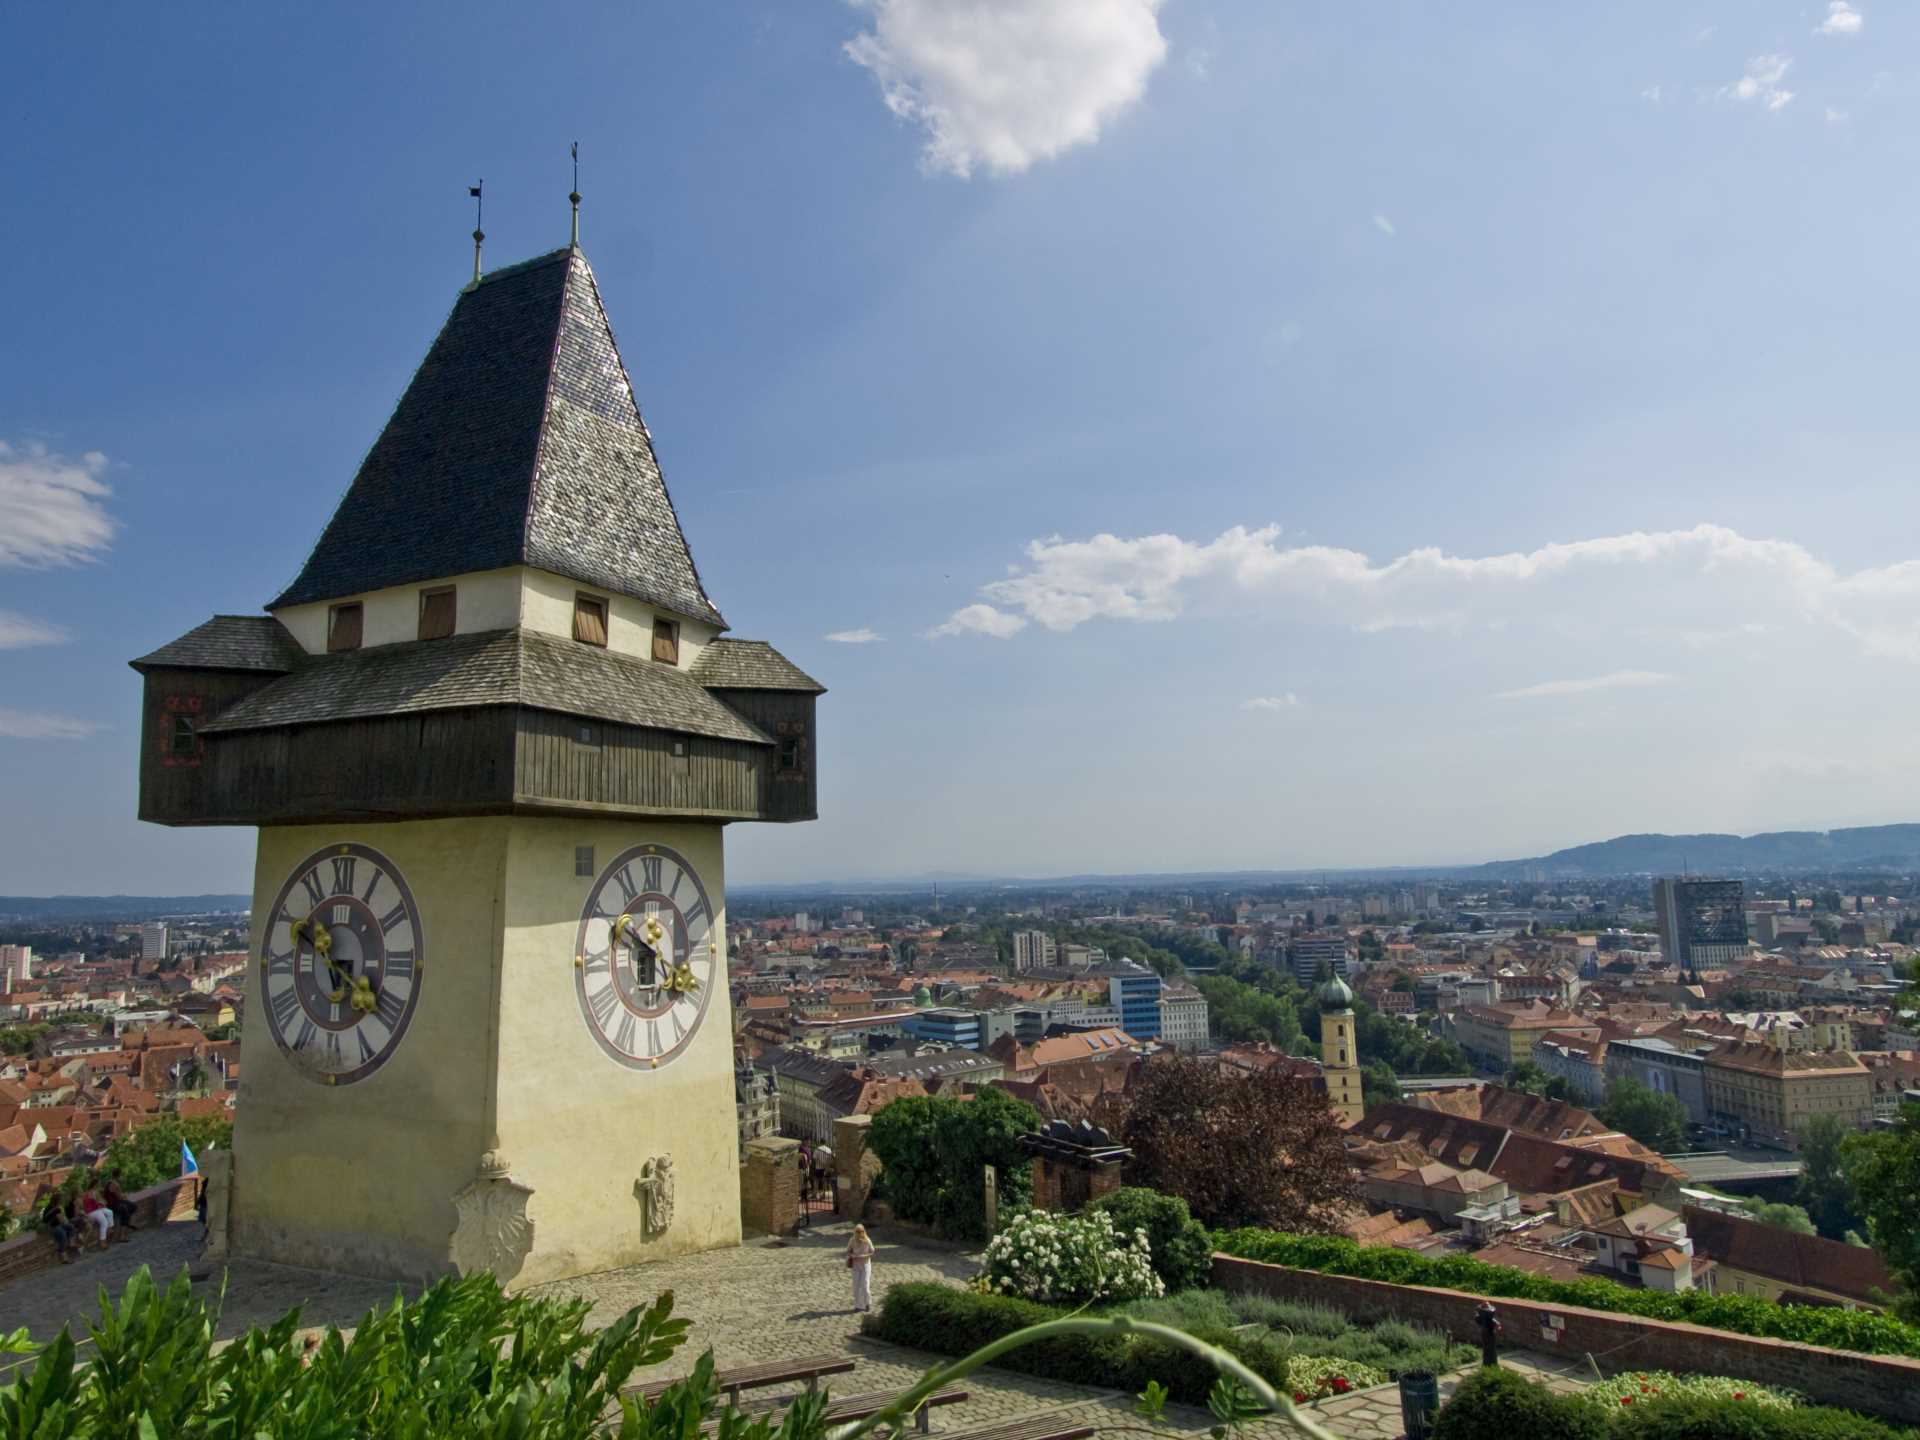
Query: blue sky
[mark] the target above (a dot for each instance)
(1257, 434)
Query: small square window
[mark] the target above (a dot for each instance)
(583, 861)
(181, 739)
(436, 613)
(590, 620)
(344, 626)
(666, 642)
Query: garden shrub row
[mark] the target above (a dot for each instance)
(1741, 1314)
(1501, 1405)
(927, 1315)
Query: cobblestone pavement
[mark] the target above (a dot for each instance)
(763, 1301)
(1375, 1414)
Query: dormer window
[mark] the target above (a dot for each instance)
(436, 613)
(590, 620)
(344, 624)
(666, 642)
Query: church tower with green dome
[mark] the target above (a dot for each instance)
(1339, 1051)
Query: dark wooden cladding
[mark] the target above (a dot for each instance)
(786, 793)
(485, 761)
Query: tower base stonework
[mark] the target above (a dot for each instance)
(393, 1176)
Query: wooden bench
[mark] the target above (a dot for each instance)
(754, 1377)
(859, 1407)
(1041, 1428)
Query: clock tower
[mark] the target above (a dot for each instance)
(491, 735)
(1340, 1052)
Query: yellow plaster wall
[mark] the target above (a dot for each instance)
(574, 1124)
(485, 600)
(360, 1177)
(547, 605)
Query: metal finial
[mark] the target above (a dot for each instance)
(574, 197)
(478, 234)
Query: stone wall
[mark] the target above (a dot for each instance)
(855, 1166)
(770, 1186)
(173, 1200)
(1880, 1384)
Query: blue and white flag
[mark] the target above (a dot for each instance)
(188, 1165)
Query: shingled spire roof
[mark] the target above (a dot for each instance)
(518, 442)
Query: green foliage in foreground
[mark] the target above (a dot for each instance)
(1501, 1405)
(1741, 1314)
(462, 1360)
(1182, 1250)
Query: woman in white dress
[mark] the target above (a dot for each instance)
(860, 1261)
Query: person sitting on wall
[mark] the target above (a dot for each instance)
(95, 1212)
(57, 1220)
(117, 1201)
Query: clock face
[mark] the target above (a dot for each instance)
(646, 958)
(339, 969)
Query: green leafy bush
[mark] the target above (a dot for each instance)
(1742, 1314)
(1500, 1405)
(932, 1149)
(1316, 1377)
(926, 1315)
(1645, 1386)
(462, 1360)
(1298, 1316)
(1188, 1310)
(1069, 1259)
(1182, 1249)
(1703, 1418)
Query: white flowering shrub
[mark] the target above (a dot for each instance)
(1069, 1259)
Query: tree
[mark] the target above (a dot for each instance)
(1657, 1121)
(1528, 1076)
(1263, 1150)
(1883, 1168)
(1558, 1089)
(933, 1150)
(151, 1154)
(1823, 1187)
(1378, 1083)
(1783, 1217)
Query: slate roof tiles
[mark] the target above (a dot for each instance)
(230, 642)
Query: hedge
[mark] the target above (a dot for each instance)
(1501, 1405)
(927, 1315)
(1741, 1314)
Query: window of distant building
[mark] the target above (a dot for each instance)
(436, 613)
(590, 620)
(181, 740)
(792, 758)
(666, 642)
(344, 624)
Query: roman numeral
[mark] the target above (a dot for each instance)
(389, 1007)
(600, 963)
(399, 965)
(654, 1047)
(366, 1050)
(316, 892)
(679, 1030)
(366, 896)
(602, 1002)
(343, 874)
(624, 880)
(279, 964)
(393, 917)
(342, 914)
(679, 876)
(307, 1032)
(650, 872)
(624, 1040)
(284, 1004)
(696, 914)
(333, 1047)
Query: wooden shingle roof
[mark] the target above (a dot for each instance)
(517, 442)
(229, 642)
(751, 665)
(493, 667)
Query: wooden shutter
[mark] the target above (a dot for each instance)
(666, 642)
(590, 620)
(343, 627)
(436, 614)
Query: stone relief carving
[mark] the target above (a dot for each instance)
(654, 1190)
(493, 1231)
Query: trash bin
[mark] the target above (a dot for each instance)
(1419, 1403)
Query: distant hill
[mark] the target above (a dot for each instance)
(1869, 847)
(117, 907)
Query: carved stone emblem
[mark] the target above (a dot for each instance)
(493, 1231)
(654, 1189)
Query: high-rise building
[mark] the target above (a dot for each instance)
(1183, 1017)
(1134, 991)
(1339, 1052)
(16, 966)
(1702, 922)
(1306, 954)
(1033, 950)
(153, 942)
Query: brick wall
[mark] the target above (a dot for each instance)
(770, 1186)
(174, 1200)
(1061, 1186)
(1879, 1384)
(855, 1166)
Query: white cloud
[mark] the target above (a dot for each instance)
(865, 635)
(1288, 701)
(19, 631)
(51, 507)
(1842, 19)
(1617, 680)
(1704, 579)
(38, 725)
(1384, 225)
(1651, 94)
(1002, 84)
(1837, 117)
(1762, 82)
(979, 620)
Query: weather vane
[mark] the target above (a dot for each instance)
(574, 197)
(478, 234)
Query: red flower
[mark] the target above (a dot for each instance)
(1626, 1399)
(1739, 1394)
(1299, 1397)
